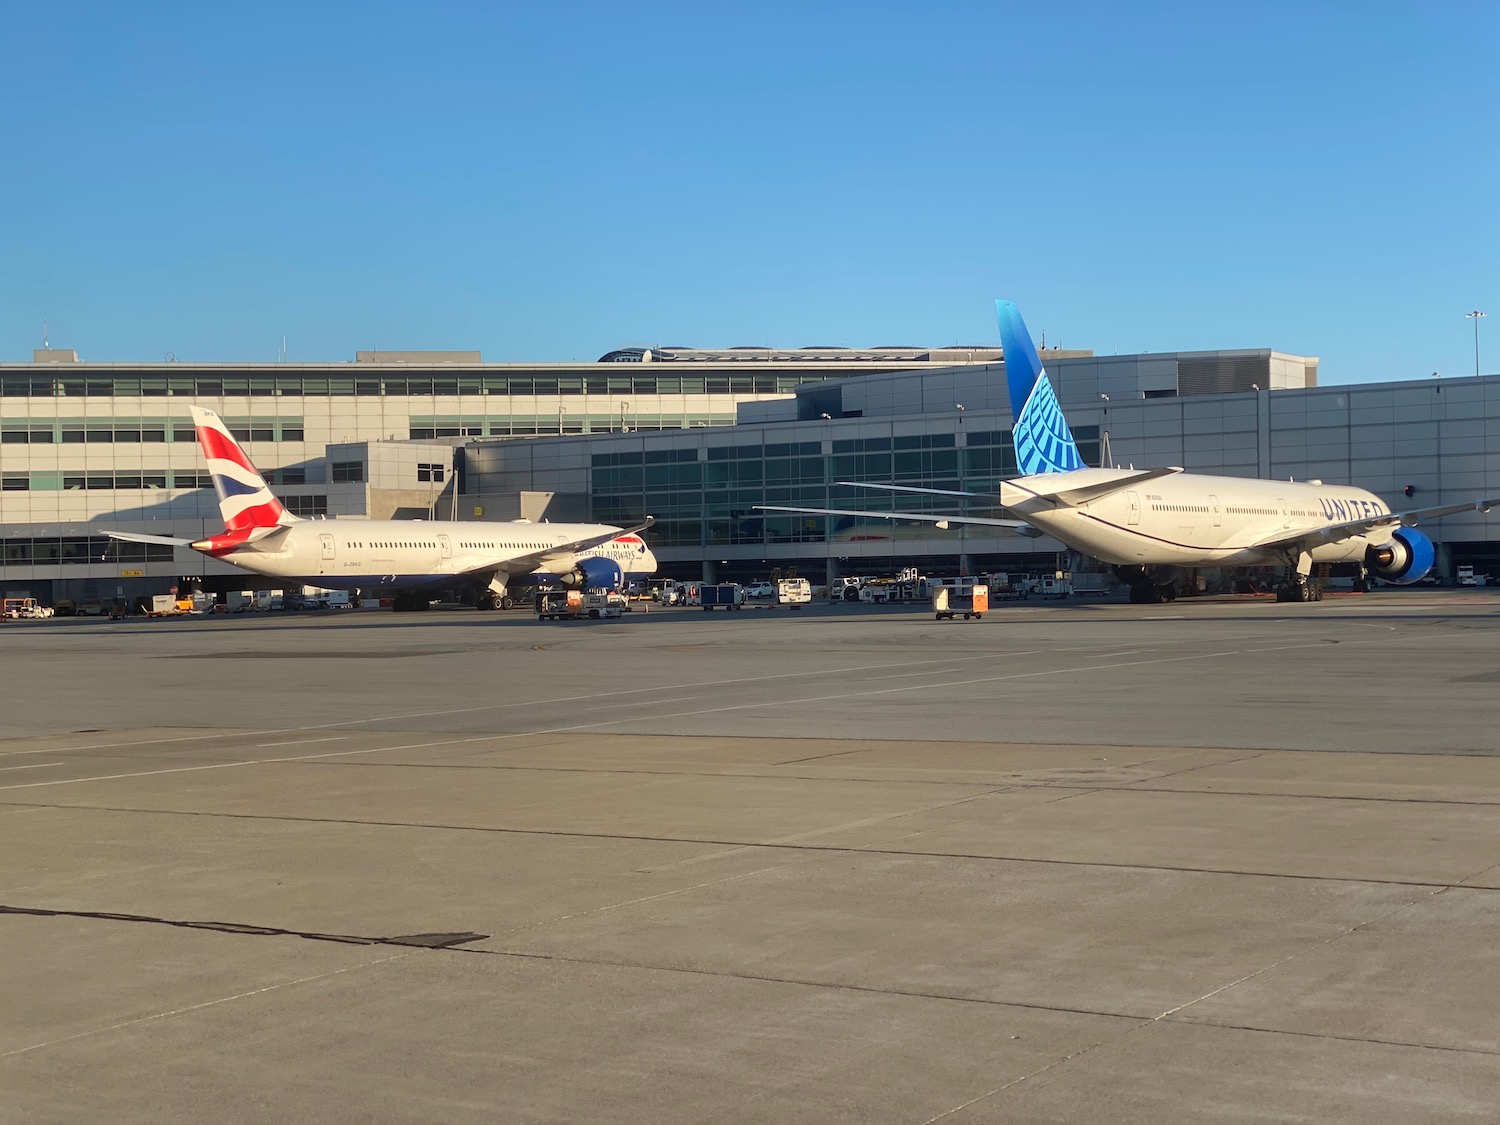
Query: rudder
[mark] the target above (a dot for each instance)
(1044, 444)
(245, 500)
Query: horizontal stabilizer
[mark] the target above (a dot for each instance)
(1020, 527)
(135, 537)
(914, 488)
(1082, 495)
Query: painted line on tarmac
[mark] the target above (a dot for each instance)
(36, 766)
(207, 735)
(302, 742)
(848, 695)
(678, 688)
(264, 761)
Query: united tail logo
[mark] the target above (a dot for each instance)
(1043, 442)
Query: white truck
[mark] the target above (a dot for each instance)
(793, 592)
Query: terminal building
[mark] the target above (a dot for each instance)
(698, 439)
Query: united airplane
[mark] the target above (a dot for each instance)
(402, 556)
(1150, 523)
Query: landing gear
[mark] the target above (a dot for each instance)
(1154, 585)
(494, 596)
(1299, 588)
(1149, 593)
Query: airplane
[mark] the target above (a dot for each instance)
(1150, 523)
(403, 556)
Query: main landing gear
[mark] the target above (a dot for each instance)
(1149, 585)
(1299, 588)
(1297, 583)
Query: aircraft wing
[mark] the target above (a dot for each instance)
(524, 564)
(1335, 532)
(1020, 527)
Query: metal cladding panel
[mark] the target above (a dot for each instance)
(1222, 374)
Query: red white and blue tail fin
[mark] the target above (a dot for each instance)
(245, 500)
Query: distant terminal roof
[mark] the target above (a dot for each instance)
(756, 353)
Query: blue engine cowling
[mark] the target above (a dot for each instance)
(1405, 559)
(594, 573)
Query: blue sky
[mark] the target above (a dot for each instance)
(546, 182)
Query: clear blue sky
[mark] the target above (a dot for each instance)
(549, 181)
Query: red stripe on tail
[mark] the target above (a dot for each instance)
(262, 515)
(217, 445)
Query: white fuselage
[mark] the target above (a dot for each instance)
(1190, 520)
(349, 554)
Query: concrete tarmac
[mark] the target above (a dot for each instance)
(1222, 860)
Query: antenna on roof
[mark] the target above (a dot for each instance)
(281, 355)
(45, 344)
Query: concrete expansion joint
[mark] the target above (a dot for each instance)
(419, 941)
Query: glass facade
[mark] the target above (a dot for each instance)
(122, 479)
(132, 431)
(704, 497)
(104, 383)
(78, 550)
(430, 427)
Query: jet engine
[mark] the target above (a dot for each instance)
(1405, 559)
(593, 573)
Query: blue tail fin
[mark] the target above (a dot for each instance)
(1043, 441)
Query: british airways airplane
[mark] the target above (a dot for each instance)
(402, 556)
(1149, 523)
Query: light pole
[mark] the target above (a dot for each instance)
(1476, 316)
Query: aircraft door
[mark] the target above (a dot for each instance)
(1133, 503)
(325, 541)
(445, 548)
(1213, 502)
(1286, 515)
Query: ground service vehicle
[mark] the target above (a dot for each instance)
(793, 592)
(848, 588)
(760, 590)
(558, 605)
(727, 594)
(163, 605)
(24, 608)
(1009, 587)
(598, 604)
(971, 600)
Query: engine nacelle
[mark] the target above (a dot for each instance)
(593, 573)
(1405, 559)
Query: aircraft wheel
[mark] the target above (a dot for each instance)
(507, 602)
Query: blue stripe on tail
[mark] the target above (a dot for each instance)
(1043, 442)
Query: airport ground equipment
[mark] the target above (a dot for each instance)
(968, 596)
(558, 605)
(166, 605)
(1009, 587)
(598, 604)
(794, 592)
(729, 595)
(24, 608)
